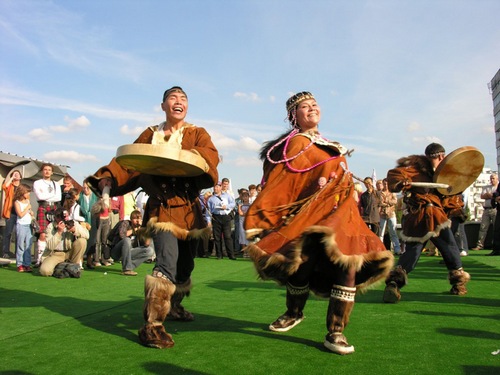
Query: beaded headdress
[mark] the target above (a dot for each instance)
(297, 98)
(172, 90)
(293, 102)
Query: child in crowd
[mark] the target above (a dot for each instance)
(23, 228)
(73, 208)
(102, 254)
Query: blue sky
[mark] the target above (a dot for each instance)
(78, 79)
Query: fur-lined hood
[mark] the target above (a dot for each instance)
(420, 162)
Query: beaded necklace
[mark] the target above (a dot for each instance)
(287, 159)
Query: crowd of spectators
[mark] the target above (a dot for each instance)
(73, 225)
(224, 210)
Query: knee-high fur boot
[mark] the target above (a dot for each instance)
(395, 281)
(178, 312)
(339, 310)
(458, 280)
(296, 298)
(158, 292)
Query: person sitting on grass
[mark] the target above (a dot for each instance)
(128, 243)
(66, 242)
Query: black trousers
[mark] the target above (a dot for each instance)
(221, 227)
(445, 243)
(174, 257)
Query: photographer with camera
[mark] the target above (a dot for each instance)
(66, 242)
(128, 243)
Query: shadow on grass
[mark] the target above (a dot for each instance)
(167, 368)
(124, 318)
(231, 285)
(428, 268)
(481, 370)
(220, 324)
(82, 310)
(472, 333)
(494, 317)
(375, 296)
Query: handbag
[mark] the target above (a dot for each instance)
(35, 227)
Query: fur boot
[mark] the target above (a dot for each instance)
(178, 312)
(395, 281)
(158, 292)
(458, 279)
(339, 309)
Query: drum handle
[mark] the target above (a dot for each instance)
(432, 185)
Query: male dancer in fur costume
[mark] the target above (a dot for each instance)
(311, 235)
(426, 219)
(173, 214)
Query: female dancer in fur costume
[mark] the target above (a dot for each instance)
(311, 236)
(426, 220)
(173, 214)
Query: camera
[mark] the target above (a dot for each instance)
(69, 223)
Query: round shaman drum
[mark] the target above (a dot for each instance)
(161, 160)
(459, 170)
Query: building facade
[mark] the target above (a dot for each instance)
(494, 87)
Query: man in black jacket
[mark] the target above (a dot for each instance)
(128, 243)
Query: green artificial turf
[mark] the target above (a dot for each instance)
(89, 325)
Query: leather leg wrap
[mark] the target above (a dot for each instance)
(339, 310)
(158, 293)
(296, 298)
(458, 280)
(177, 311)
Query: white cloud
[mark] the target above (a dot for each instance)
(426, 139)
(17, 138)
(225, 143)
(251, 97)
(125, 129)
(252, 162)
(69, 156)
(79, 122)
(59, 129)
(20, 97)
(414, 126)
(39, 134)
(72, 125)
(250, 144)
(222, 142)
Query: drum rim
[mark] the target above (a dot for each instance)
(194, 163)
(442, 165)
